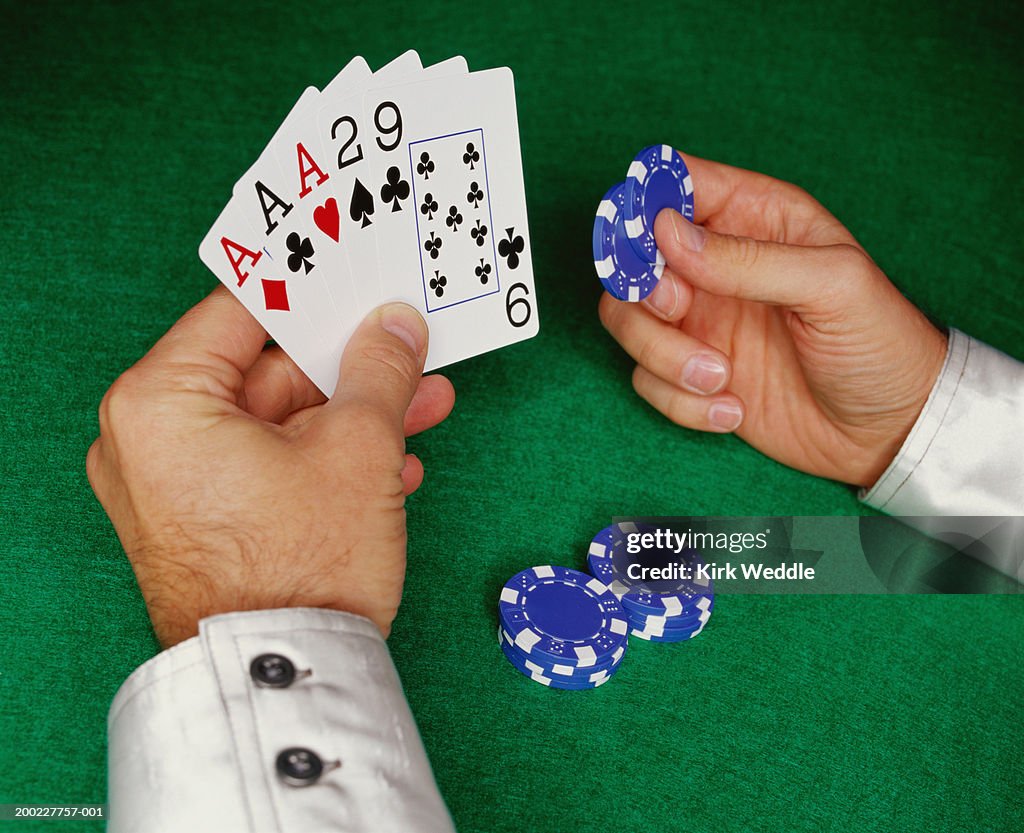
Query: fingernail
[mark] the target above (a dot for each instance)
(704, 373)
(664, 298)
(725, 416)
(688, 235)
(403, 322)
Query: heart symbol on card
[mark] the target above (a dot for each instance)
(326, 218)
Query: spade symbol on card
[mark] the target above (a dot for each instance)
(360, 209)
(395, 189)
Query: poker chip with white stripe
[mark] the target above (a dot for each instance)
(657, 179)
(555, 615)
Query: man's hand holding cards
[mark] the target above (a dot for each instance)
(400, 185)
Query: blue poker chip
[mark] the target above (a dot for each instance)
(657, 179)
(608, 561)
(562, 615)
(559, 670)
(622, 272)
(660, 635)
(662, 604)
(536, 673)
(692, 616)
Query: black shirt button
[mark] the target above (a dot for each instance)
(272, 671)
(299, 767)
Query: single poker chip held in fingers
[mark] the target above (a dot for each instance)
(622, 272)
(657, 179)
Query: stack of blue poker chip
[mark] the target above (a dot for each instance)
(626, 257)
(673, 616)
(620, 269)
(561, 628)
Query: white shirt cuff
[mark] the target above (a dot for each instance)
(963, 463)
(194, 738)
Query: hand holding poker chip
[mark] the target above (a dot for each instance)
(626, 255)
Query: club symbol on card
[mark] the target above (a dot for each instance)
(326, 218)
(360, 208)
(395, 189)
(426, 165)
(433, 245)
(483, 271)
(301, 249)
(475, 195)
(471, 156)
(511, 248)
(429, 206)
(438, 283)
(275, 295)
(454, 219)
(479, 233)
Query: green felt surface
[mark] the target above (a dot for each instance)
(123, 128)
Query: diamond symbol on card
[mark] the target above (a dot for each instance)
(275, 295)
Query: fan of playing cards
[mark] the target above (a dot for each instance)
(404, 184)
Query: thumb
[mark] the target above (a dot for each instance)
(383, 362)
(802, 278)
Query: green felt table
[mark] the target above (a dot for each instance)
(123, 129)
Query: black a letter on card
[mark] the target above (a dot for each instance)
(263, 193)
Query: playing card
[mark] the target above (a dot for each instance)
(311, 228)
(405, 184)
(462, 254)
(349, 140)
(325, 292)
(231, 250)
(269, 209)
(339, 131)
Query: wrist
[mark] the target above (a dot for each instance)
(921, 372)
(181, 588)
